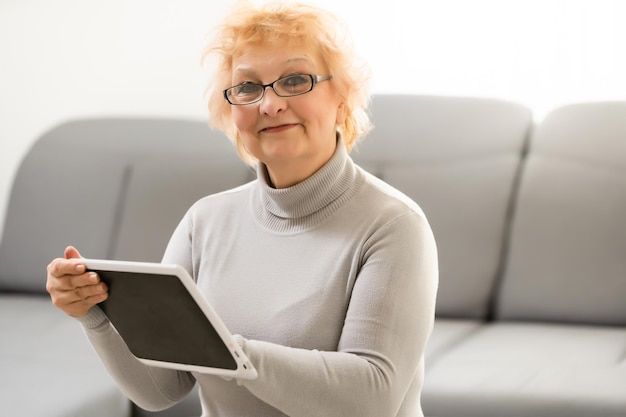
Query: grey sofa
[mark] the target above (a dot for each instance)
(531, 314)
(531, 311)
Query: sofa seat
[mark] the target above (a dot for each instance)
(38, 343)
(446, 334)
(522, 369)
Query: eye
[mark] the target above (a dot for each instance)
(295, 84)
(246, 89)
(295, 80)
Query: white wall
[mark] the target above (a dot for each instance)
(64, 59)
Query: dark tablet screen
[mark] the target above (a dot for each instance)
(159, 320)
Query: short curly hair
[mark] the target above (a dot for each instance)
(248, 24)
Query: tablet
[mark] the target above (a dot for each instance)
(165, 321)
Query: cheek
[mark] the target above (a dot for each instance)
(243, 118)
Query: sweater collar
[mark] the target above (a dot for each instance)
(310, 201)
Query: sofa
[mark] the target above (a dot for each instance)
(528, 218)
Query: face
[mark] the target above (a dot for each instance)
(293, 136)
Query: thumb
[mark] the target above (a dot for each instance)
(71, 252)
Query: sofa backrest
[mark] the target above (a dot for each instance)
(458, 159)
(567, 260)
(114, 188)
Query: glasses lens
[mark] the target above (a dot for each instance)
(244, 93)
(294, 85)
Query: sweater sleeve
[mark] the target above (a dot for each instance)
(149, 387)
(389, 320)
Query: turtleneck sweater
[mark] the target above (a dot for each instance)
(329, 285)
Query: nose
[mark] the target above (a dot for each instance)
(272, 103)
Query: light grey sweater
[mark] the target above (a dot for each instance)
(331, 284)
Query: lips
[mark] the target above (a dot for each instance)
(278, 128)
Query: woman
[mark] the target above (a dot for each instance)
(337, 270)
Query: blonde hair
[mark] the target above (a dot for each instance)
(248, 24)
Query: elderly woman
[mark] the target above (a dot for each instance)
(336, 269)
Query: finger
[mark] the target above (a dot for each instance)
(82, 307)
(73, 282)
(83, 293)
(71, 252)
(63, 299)
(61, 266)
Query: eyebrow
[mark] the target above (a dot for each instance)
(250, 70)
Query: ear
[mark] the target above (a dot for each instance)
(341, 114)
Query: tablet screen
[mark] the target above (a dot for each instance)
(159, 320)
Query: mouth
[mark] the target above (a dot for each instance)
(277, 128)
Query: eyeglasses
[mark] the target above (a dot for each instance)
(291, 85)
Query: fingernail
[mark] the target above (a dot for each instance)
(80, 268)
(93, 277)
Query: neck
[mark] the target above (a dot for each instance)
(306, 204)
(289, 172)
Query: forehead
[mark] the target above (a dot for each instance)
(275, 57)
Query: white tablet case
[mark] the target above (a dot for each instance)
(166, 322)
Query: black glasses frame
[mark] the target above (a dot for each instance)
(314, 80)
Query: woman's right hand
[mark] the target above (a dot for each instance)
(71, 288)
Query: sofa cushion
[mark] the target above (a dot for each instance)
(48, 367)
(161, 189)
(566, 260)
(521, 369)
(458, 159)
(58, 198)
(82, 184)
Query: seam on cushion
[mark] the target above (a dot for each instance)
(491, 312)
(122, 199)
